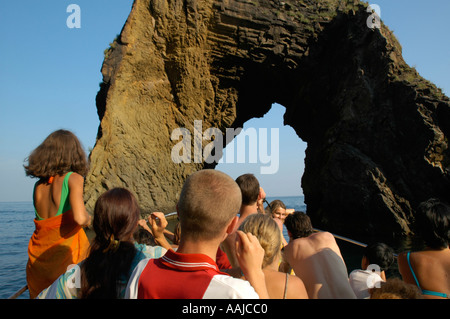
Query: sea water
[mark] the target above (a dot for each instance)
(16, 228)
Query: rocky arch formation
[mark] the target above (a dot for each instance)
(377, 132)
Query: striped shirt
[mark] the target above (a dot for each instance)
(185, 276)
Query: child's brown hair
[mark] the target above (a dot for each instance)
(61, 152)
(116, 216)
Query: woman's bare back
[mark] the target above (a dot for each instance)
(432, 269)
(47, 197)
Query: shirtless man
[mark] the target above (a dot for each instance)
(316, 259)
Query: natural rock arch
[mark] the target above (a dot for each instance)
(377, 132)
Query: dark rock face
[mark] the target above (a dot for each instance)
(377, 132)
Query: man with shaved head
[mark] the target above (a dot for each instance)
(207, 209)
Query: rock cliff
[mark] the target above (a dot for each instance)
(377, 132)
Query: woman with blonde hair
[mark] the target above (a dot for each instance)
(279, 285)
(277, 210)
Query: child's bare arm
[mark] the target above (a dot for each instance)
(80, 215)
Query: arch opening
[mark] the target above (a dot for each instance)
(271, 151)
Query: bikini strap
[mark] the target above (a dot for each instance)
(412, 271)
(425, 292)
(285, 286)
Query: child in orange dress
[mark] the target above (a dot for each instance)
(59, 239)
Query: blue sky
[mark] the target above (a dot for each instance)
(49, 77)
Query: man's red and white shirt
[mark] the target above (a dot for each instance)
(185, 276)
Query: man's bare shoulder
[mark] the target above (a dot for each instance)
(324, 235)
(322, 239)
(313, 239)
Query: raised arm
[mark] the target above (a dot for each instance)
(80, 215)
(250, 256)
(260, 201)
(158, 224)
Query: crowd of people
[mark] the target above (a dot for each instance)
(226, 244)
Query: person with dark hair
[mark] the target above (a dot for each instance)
(59, 240)
(207, 209)
(377, 258)
(429, 269)
(113, 254)
(249, 186)
(253, 195)
(316, 259)
(252, 201)
(143, 236)
(298, 225)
